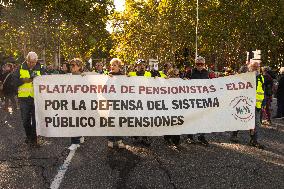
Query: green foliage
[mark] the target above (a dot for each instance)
(77, 27)
(163, 29)
(226, 30)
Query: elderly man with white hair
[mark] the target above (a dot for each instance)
(255, 67)
(25, 75)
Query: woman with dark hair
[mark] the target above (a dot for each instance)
(65, 68)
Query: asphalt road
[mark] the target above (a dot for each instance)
(221, 165)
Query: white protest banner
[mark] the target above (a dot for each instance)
(99, 105)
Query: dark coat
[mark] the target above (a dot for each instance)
(280, 89)
(155, 73)
(203, 74)
(9, 87)
(268, 85)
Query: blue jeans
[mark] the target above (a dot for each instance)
(28, 118)
(75, 140)
(254, 132)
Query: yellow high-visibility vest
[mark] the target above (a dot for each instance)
(106, 72)
(162, 74)
(26, 89)
(259, 92)
(146, 74)
(132, 74)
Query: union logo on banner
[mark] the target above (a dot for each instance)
(242, 108)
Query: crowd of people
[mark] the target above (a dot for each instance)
(17, 92)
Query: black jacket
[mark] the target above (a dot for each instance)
(203, 74)
(268, 85)
(280, 89)
(9, 87)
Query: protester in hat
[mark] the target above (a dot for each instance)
(199, 72)
(115, 67)
(141, 69)
(76, 68)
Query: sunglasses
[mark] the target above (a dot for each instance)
(199, 64)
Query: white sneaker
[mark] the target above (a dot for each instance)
(74, 147)
(82, 140)
(121, 144)
(173, 147)
(110, 144)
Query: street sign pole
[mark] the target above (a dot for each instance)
(196, 32)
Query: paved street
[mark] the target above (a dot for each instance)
(221, 165)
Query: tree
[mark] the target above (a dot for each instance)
(227, 29)
(73, 28)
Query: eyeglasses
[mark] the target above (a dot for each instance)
(199, 64)
(32, 61)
